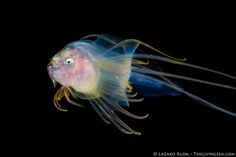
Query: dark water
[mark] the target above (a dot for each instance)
(31, 124)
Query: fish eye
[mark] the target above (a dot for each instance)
(68, 61)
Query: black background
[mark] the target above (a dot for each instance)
(204, 33)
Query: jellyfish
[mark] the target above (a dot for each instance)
(112, 72)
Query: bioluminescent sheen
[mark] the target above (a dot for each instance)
(111, 73)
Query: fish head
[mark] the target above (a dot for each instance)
(65, 66)
(72, 68)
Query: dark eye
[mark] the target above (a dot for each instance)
(68, 61)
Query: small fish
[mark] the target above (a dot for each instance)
(111, 72)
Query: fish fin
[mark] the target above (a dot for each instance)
(107, 41)
(57, 97)
(124, 103)
(194, 97)
(149, 87)
(111, 44)
(67, 95)
(134, 43)
(108, 115)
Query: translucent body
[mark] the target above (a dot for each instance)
(105, 71)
